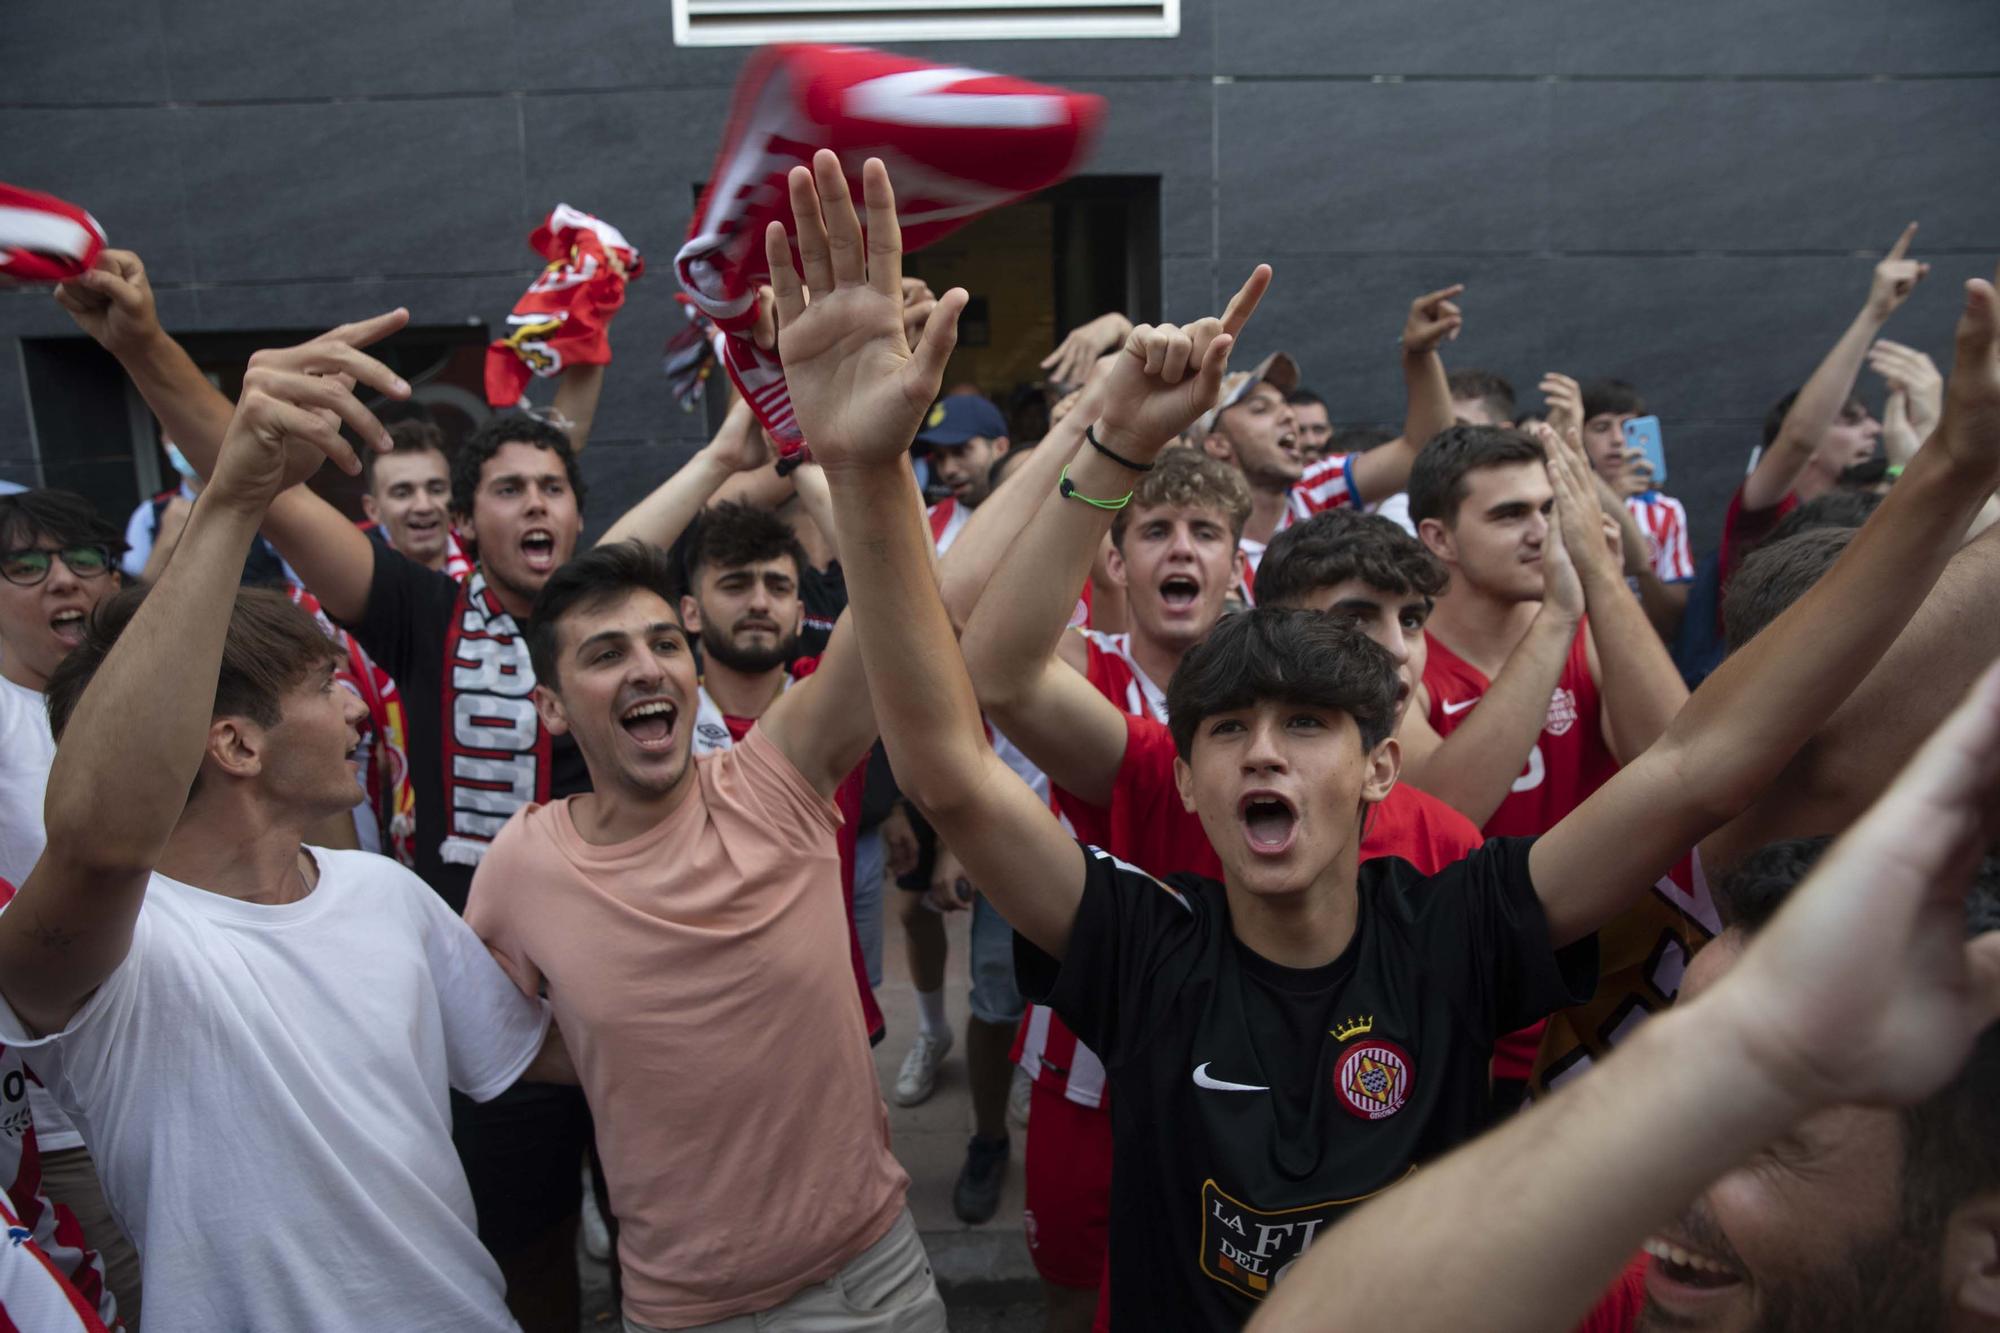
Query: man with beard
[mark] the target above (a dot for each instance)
(1818, 1109)
(457, 651)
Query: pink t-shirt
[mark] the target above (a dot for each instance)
(700, 976)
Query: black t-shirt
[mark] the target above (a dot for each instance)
(1251, 1103)
(824, 595)
(409, 614)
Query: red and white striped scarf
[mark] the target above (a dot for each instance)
(43, 238)
(957, 142)
(496, 751)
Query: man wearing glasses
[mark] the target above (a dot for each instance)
(58, 560)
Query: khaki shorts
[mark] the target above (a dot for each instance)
(887, 1288)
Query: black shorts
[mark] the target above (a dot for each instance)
(919, 880)
(523, 1155)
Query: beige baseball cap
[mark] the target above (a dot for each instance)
(1277, 370)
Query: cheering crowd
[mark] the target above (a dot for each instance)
(1409, 882)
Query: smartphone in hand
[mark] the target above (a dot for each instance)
(1643, 434)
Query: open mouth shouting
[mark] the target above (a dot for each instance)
(1679, 1277)
(1180, 592)
(67, 625)
(650, 722)
(1288, 444)
(538, 548)
(1270, 822)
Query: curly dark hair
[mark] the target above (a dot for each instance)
(468, 461)
(730, 535)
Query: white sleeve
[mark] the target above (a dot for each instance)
(73, 1063)
(138, 540)
(492, 1032)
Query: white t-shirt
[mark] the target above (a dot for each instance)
(265, 1091)
(26, 751)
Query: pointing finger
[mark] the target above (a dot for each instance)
(1902, 245)
(1244, 303)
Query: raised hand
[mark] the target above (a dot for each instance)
(1900, 440)
(1069, 365)
(1578, 518)
(1564, 399)
(858, 387)
(294, 402)
(1433, 321)
(1916, 376)
(1865, 988)
(1970, 426)
(113, 302)
(1166, 375)
(1895, 277)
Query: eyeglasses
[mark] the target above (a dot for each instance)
(31, 566)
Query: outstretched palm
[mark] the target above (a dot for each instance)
(859, 389)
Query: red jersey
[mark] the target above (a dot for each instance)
(1618, 1309)
(1743, 528)
(1570, 760)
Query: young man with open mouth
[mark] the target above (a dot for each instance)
(1306, 1032)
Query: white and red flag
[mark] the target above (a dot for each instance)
(564, 318)
(43, 238)
(957, 142)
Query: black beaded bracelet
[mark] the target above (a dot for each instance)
(1090, 435)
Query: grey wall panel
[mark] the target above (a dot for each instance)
(632, 158)
(121, 164)
(1163, 128)
(1384, 167)
(225, 50)
(65, 55)
(1311, 37)
(1719, 37)
(354, 188)
(618, 473)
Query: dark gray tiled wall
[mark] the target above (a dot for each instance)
(1682, 194)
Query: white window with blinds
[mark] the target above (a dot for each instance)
(754, 22)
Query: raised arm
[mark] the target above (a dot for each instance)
(1642, 689)
(576, 402)
(1433, 321)
(1819, 402)
(1474, 767)
(661, 517)
(114, 304)
(1015, 642)
(1743, 725)
(969, 567)
(132, 747)
(1862, 990)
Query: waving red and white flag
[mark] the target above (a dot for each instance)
(43, 238)
(957, 142)
(564, 318)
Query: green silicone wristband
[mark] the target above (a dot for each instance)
(1068, 491)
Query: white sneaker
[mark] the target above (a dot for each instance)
(917, 1079)
(1018, 1098)
(596, 1236)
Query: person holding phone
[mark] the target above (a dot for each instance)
(1626, 449)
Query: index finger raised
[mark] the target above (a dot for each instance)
(1244, 303)
(1902, 245)
(366, 332)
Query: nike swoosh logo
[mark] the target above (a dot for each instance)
(918, 97)
(1202, 1080)
(1452, 710)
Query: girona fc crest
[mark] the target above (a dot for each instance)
(1373, 1079)
(1562, 712)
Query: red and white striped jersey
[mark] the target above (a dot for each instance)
(1665, 523)
(948, 518)
(1119, 677)
(49, 1278)
(1326, 484)
(1045, 1047)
